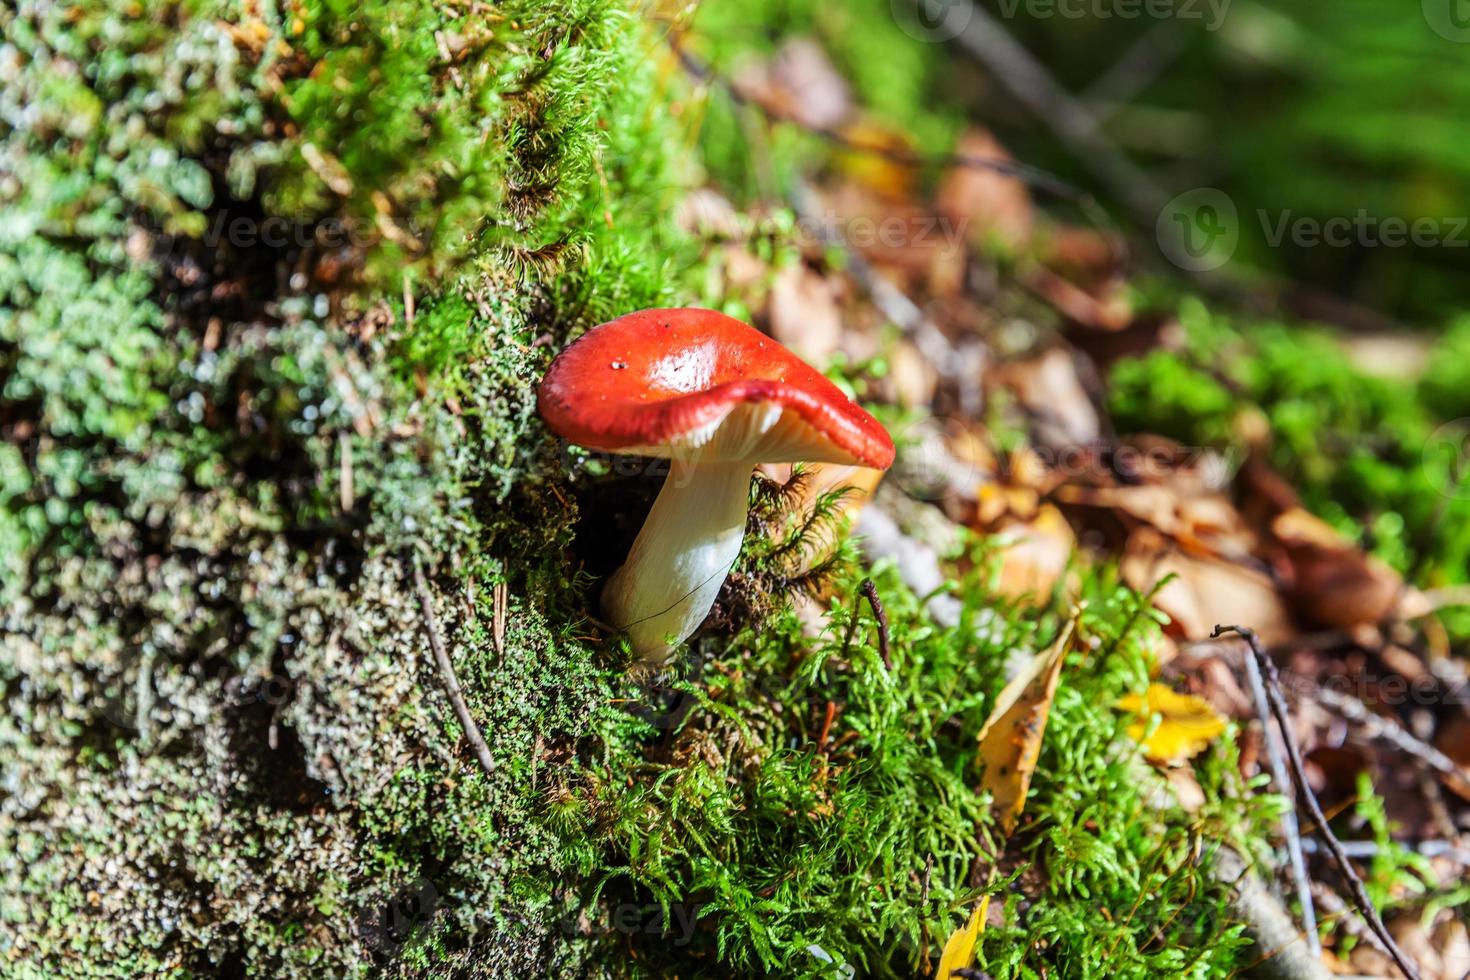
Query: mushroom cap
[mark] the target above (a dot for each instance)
(671, 382)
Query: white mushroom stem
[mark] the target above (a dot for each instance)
(681, 556)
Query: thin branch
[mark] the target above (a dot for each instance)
(1031, 176)
(979, 33)
(446, 673)
(1304, 792)
(870, 591)
(1289, 824)
(1387, 730)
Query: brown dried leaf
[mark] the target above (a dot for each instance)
(1333, 583)
(985, 206)
(1206, 591)
(801, 84)
(1049, 388)
(802, 313)
(1036, 553)
(1010, 741)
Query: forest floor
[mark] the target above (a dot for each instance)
(266, 503)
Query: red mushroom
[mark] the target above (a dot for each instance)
(716, 397)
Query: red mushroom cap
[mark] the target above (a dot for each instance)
(658, 381)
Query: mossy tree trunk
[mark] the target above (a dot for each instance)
(276, 281)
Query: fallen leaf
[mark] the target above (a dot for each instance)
(985, 206)
(1188, 724)
(1332, 582)
(1035, 553)
(1010, 740)
(1049, 388)
(911, 376)
(1204, 591)
(801, 84)
(875, 158)
(959, 951)
(803, 315)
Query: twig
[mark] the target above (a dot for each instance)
(143, 688)
(1304, 792)
(870, 591)
(979, 33)
(1139, 65)
(1283, 955)
(1289, 825)
(446, 673)
(959, 366)
(1448, 850)
(1387, 730)
(827, 719)
(1026, 174)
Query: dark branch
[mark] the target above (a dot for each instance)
(446, 673)
(1304, 792)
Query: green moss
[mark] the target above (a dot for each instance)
(1360, 449)
(789, 853)
(227, 746)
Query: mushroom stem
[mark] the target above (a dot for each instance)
(681, 556)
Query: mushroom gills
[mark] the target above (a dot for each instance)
(681, 556)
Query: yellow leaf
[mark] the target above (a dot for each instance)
(959, 952)
(1188, 723)
(1010, 741)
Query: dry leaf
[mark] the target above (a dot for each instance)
(1188, 723)
(959, 951)
(1048, 387)
(1332, 582)
(985, 206)
(803, 315)
(911, 376)
(801, 84)
(1036, 553)
(1010, 741)
(1204, 591)
(874, 160)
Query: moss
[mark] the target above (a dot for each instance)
(224, 432)
(275, 286)
(769, 845)
(1360, 449)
